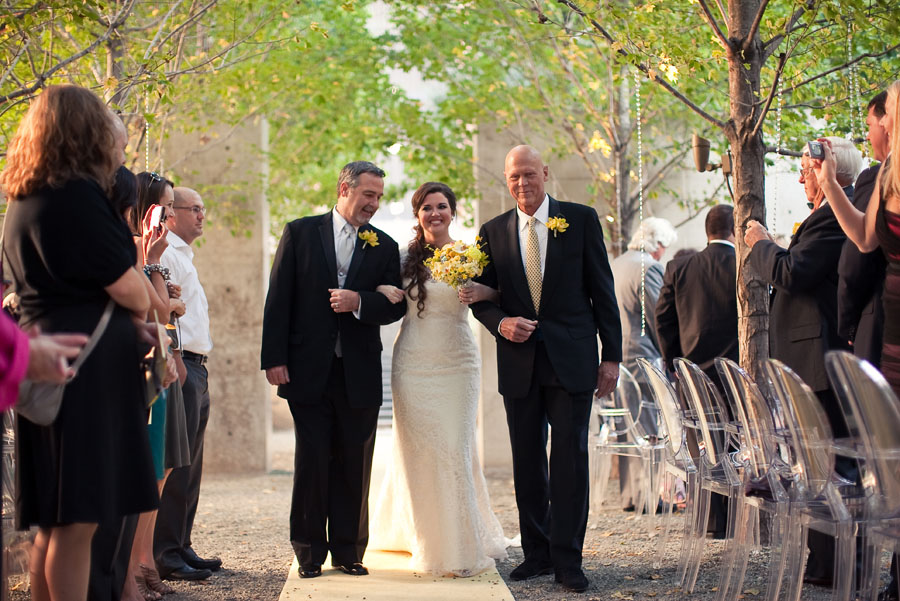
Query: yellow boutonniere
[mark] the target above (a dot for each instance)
(557, 225)
(796, 227)
(368, 237)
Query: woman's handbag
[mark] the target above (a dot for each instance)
(39, 402)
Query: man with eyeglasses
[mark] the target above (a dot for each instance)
(175, 556)
(803, 310)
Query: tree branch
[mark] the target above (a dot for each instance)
(841, 67)
(782, 59)
(41, 78)
(706, 203)
(656, 78)
(783, 152)
(707, 14)
(774, 43)
(15, 61)
(663, 171)
(722, 12)
(754, 28)
(153, 43)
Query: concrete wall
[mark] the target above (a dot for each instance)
(224, 168)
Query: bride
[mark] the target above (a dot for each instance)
(434, 501)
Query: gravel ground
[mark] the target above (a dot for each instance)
(243, 520)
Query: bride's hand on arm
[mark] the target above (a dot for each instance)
(393, 294)
(473, 292)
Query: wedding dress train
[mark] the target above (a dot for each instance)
(434, 500)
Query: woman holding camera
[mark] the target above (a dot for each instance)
(168, 427)
(68, 254)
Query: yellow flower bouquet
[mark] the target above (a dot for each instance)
(456, 263)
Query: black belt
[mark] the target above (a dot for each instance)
(189, 356)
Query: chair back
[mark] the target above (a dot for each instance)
(873, 415)
(620, 410)
(667, 401)
(810, 433)
(707, 406)
(759, 448)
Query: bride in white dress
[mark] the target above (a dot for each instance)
(434, 500)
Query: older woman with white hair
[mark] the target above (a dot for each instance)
(638, 276)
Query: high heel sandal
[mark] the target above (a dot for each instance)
(154, 582)
(144, 591)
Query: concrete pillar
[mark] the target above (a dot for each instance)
(232, 258)
(490, 151)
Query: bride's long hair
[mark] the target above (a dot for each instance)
(414, 266)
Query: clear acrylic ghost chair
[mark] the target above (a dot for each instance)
(718, 468)
(873, 413)
(617, 428)
(764, 474)
(816, 501)
(677, 464)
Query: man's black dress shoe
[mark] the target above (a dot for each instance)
(310, 571)
(354, 569)
(185, 572)
(531, 568)
(572, 579)
(198, 563)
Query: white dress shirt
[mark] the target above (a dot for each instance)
(178, 257)
(540, 226)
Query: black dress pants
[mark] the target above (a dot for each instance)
(553, 505)
(110, 554)
(332, 469)
(181, 495)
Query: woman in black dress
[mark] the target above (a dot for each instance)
(68, 254)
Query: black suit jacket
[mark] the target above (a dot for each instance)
(696, 313)
(577, 300)
(860, 314)
(803, 302)
(300, 328)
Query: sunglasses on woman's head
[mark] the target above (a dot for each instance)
(156, 176)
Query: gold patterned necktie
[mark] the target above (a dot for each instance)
(533, 264)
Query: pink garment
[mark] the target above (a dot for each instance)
(13, 360)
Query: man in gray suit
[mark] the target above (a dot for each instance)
(638, 275)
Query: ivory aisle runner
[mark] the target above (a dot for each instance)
(390, 578)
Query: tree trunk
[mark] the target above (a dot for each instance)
(623, 126)
(749, 180)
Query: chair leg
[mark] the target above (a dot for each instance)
(663, 542)
(600, 467)
(844, 561)
(699, 538)
(734, 546)
(797, 559)
(691, 502)
(778, 553)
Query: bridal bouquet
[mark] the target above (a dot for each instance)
(457, 263)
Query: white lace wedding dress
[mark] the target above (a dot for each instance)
(434, 500)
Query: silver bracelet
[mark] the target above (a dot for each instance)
(156, 267)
